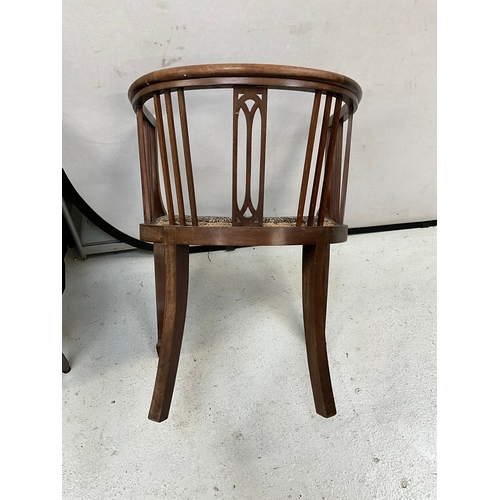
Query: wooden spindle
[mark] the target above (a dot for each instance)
(327, 191)
(158, 208)
(175, 158)
(308, 158)
(164, 160)
(337, 163)
(262, 166)
(146, 192)
(332, 209)
(319, 161)
(187, 156)
(346, 168)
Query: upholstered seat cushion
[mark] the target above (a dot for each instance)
(220, 221)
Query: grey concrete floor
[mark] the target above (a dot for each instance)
(242, 423)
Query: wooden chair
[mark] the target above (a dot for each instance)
(173, 225)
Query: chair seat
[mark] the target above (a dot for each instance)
(219, 231)
(220, 221)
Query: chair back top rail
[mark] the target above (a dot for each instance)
(228, 75)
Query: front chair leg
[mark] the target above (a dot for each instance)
(315, 266)
(159, 261)
(172, 281)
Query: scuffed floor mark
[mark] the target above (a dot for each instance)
(300, 29)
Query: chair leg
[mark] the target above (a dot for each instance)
(173, 277)
(315, 265)
(65, 364)
(159, 261)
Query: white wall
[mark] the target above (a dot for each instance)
(387, 46)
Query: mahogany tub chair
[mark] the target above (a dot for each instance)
(169, 176)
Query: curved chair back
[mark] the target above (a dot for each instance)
(164, 141)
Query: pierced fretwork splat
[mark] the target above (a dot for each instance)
(248, 100)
